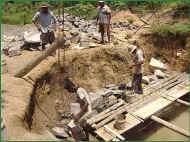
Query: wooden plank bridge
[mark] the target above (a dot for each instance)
(157, 96)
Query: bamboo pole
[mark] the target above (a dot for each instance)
(109, 130)
(170, 126)
(183, 102)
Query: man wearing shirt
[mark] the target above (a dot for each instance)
(77, 125)
(43, 20)
(138, 60)
(103, 20)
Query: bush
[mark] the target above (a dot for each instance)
(180, 9)
(164, 30)
(85, 10)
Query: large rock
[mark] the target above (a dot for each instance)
(32, 37)
(157, 64)
(14, 51)
(159, 74)
(145, 79)
(59, 132)
(67, 43)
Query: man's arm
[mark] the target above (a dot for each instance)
(84, 109)
(108, 14)
(53, 18)
(35, 21)
(109, 17)
(139, 61)
(97, 17)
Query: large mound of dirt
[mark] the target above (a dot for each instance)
(126, 15)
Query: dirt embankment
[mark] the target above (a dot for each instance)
(177, 57)
(90, 69)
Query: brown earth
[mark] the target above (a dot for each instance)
(89, 68)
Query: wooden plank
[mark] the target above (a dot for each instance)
(113, 132)
(131, 122)
(183, 102)
(160, 103)
(152, 108)
(102, 115)
(170, 126)
(179, 93)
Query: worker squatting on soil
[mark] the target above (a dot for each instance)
(138, 60)
(44, 20)
(103, 20)
(77, 126)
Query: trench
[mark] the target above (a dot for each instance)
(50, 102)
(49, 105)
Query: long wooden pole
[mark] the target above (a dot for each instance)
(109, 130)
(183, 102)
(170, 126)
(27, 68)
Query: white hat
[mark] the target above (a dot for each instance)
(132, 48)
(101, 1)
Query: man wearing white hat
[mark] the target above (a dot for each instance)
(103, 20)
(138, 60)
(43, 20)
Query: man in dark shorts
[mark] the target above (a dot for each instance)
(138, 61)
(103, 20)
(43, 20)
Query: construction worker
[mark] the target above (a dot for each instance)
(78, 125)
(103, 20)
(44, 20)
(138, 60)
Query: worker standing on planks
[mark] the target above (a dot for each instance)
(103, 20)
(44, 20)
(78, 125)
(138, 60)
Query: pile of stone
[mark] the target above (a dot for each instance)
(11, 45)
(124, 26)
(4, 66)
(78, 31)
(158, 69)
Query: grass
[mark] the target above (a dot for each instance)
(165, 30)
(85, 10)
(13, 13)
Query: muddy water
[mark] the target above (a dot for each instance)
(164, 133)
(178, 116)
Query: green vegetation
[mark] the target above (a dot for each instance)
(165, 30)
(22, 12)
(84, 9)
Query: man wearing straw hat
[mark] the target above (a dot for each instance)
(103, 20)
(43, 20)
(138, 60)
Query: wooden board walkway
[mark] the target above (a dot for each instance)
(156, 97)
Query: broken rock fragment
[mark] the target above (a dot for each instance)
(159, 73)
(145, 79)
(157, 64)
(59, 132)
(32, 37)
